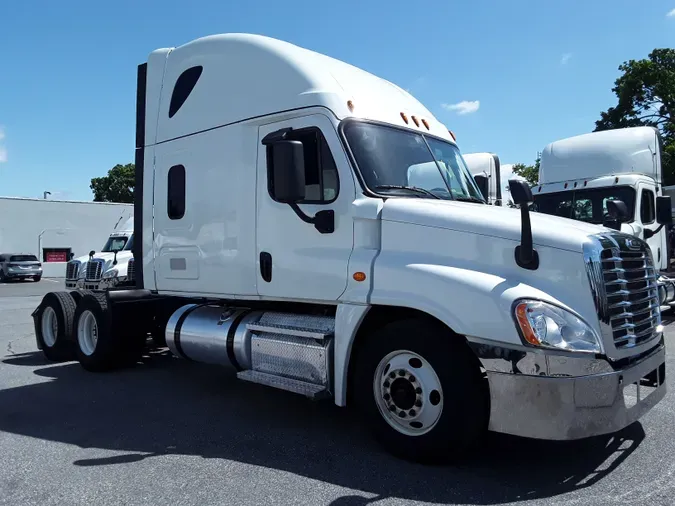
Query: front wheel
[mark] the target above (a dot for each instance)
(421, 391)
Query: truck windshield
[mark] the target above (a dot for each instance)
(589, 205)
(394, 161)
(114, 244)
(130, 243)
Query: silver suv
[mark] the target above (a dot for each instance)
(19, 266)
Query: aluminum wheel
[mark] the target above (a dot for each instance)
(87, 332)
(49, 326)
(408, 393)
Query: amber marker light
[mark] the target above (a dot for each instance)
(425, 123)
(417, 123)
(404, 116)
(350, 104)
(359, 276)
(524, 323)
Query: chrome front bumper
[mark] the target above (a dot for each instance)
(562, 397)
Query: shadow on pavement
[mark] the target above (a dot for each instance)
(170, 406)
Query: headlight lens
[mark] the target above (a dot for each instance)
(112, 273)
(547, 326)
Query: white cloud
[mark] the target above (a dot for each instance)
(671, 14)
(463, 107)
(565, 58)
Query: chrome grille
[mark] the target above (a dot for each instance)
(94, 270)
(131, 270)
(625, 288)
(72, 269)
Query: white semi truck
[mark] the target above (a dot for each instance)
(314, 228)
(579, 175)
(485, 169)
(112, 266)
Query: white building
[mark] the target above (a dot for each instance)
(54, 229)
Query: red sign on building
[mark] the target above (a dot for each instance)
(56, 256)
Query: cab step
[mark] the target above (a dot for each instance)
(310, 390)
(308, 326)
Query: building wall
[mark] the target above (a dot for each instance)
(37, 226)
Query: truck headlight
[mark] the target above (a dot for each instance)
(112, 273)
(547, 326)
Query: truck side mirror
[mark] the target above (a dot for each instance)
(618, 210)
(618, 214)
(483, 185)
(664, 210)
(521, 193)
(526, 256)
(288, 171)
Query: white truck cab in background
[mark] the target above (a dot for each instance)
(113, 265)
(485, 169)
(314, 228)
(579, 175)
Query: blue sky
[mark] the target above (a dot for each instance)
(506, 77)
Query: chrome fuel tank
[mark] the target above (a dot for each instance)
(212, 334)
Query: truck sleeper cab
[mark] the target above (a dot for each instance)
(313, 228)
(486, 171)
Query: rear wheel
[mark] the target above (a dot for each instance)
(102, 342)
(95, 346)
(37, 278)
(421, 391)
(54, 322)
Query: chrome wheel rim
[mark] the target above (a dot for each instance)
(49, 326)
(408, 393)
(87, 332)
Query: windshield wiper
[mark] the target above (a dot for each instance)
(470, 199)
(411, 188)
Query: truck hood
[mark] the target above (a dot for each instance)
(491, 221)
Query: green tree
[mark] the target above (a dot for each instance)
(646, 97)
(529, 172)
(117, 186)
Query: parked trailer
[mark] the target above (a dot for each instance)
(314, 228)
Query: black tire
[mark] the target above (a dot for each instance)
(63, 307)
(106, 352)
(37, 278)
(3, 278)
(464, 415)
(120, 343)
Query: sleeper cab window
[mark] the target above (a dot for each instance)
(175, 204)
(185, 83)
(321, 175)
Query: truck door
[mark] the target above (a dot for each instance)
(647, 207)
(295, 260)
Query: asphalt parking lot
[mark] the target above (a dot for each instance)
(173, 432)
